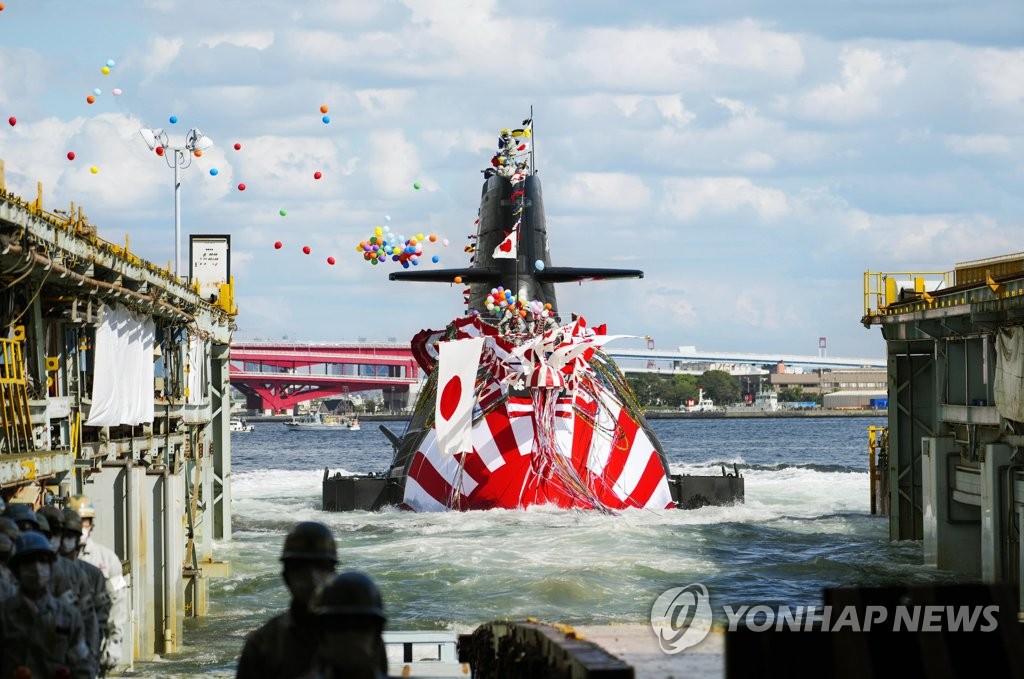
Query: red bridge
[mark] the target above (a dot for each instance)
(277, 375)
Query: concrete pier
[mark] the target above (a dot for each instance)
(955, 471)
(161, 485)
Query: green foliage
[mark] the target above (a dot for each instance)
(721, 387)
(792, 394)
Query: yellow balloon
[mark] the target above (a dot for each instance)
(105, 70)
(378, 231)
(419, 237)
(94, 169)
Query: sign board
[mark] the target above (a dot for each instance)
(209, 263)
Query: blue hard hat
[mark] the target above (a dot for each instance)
(19, 513)
(31, 543)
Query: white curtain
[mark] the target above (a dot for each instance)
(196, 363)
(122, 387)
(1009, 382)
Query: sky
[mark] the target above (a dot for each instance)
(753, 158)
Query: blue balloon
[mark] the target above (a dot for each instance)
(173, 119)
(539, 265)
(110, 63)
(97, 91)
(326, 119)
(435, 259)
(213, 171)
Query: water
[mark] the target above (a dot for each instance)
(805, 526)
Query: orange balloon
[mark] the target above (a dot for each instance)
(323, 108)
(198, 152)
(458, 279)
(91, 99)
(433, 238)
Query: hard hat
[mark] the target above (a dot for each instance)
(350, 594)
(310, 540)
(21, 513)
(72, 521)
(3, 505)
(83, 505)
(54, 516)
(31, 543)
(9, 528)
(44, 525)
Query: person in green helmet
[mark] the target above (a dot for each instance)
(95, 585)
(42, 635)
(284, 647)
(350, 619)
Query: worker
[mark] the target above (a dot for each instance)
(69, 581)
(23, 515)
(285, 646)
(350, 619)
(94, 585)
(8, 535)
(42, 635)
(112, 568)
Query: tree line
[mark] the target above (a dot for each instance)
(673, 391)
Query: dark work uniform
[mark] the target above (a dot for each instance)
(284, 648)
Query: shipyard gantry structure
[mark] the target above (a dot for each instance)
(951, 469)
(114, 381)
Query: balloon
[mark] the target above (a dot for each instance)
(159, 150)
(282, 212)
(278, 245)
(317, 174)
(433, 238)
(105, 70)
(110, 63)
(91, 99)
(416, 185)
(241, 187)
(326, 119)
(387, 218)
(539, 265)
(12, 121)
(458, 279)
(116, 92)
(238, 147)
(435, 259)
(198, 153)
(323, 108)
(213, 171)
(94, 169)
(1, 6)
(97, 91)
(173, 119)
(445, 242)
(71, 155)
(330, 260)
(305, 249)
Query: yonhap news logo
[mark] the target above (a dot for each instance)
(681, 617)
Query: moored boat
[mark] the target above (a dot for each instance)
(317, 421)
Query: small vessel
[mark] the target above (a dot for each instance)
(318, 421)
(766, 399)
(239, 424)
(703, 405)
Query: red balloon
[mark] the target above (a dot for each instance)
(317, 174)
(13, 121)
(91, 99)
(159, 150)
(277, 245)
(330, 260)
(238, 147)
(241, 187)
(305, 249)
(71, 155)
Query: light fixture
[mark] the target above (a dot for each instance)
(176, 157)
(153, 138)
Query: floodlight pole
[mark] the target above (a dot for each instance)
(179, 161)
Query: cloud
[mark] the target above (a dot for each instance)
(867, 78)
(978, 144)
(259, 40)
(685, 199)
(603, 192)
(160, 53)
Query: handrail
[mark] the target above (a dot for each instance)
(882, 289)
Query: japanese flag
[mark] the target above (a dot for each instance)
(506, 249)
(456, 381)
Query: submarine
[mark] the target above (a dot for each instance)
(521, 406)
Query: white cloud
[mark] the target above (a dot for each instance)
(670, 106)
(685, 199)
(1001, 76)
(259, 40)
(867, 78)
(394, 163)
(604, 192)
(160, 53)
(978, 144)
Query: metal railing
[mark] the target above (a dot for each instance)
(882, 289)
(15, 421)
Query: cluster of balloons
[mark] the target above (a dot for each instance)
(501, 301)
(384, 244)
(326, 118)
